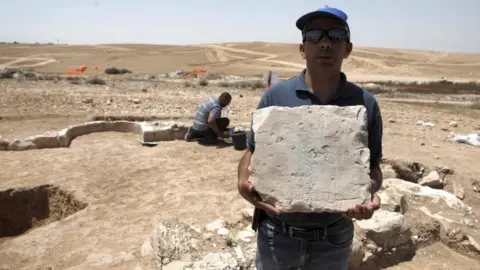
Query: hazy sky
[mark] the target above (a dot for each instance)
(450, 25)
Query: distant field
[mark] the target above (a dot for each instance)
(242, 59)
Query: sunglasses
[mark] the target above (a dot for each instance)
(334, 34)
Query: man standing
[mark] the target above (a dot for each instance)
(208, 125)
(311, 241)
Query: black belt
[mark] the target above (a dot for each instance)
(309, 234)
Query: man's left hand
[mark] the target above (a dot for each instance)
(365, 211)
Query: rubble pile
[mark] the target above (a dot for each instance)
(412, 216)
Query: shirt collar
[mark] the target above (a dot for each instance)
(342, 90)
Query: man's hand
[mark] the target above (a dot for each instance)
(248, 192)
(226, 134)
(365, 211)
(246, 189)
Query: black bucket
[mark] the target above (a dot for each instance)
(239, 140)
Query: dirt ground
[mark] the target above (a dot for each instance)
(126, 186)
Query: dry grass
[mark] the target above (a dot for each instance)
(203, 83)
(117, 71)
(244, 84)
(97, 81)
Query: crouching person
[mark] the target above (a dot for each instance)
(208, 125)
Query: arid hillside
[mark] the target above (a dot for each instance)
(242, 59)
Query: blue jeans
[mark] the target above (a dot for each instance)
(278, 251)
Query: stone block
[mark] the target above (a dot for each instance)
(163, 134)
(393, 201)
(125, 126)
(148, 134)
(46, 140)
(64, 138)
(21, 145)
(357, 252)
(178, 132)
(311, 158)
(386, 229)
(3, 143)
(87, 128)
(388, 171)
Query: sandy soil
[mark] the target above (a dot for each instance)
(247, 59)
(126, 185)
(437, 257)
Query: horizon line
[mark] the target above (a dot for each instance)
(217, 43)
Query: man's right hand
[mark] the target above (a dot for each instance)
(246, 189)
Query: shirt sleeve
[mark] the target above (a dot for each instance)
(251, 136)
(375, 135)
(216, 111)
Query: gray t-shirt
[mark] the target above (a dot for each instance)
(209, 106)
(294, 92)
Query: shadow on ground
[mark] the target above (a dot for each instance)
(219, 144)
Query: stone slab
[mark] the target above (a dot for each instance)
(311, 158)
(386, 229)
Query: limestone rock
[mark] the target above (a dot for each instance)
(245, 236)
(425, 229)
(311, 158)
(215, 225)
(3, 143)
(247, 213)
(388, 171)
(407, 170)
(386, 229)
(472, 245)
(21, 145)
(177, 265)
(169, 240)
(223, 231)
(46, 140)
(357, 252)
(98, 259)
(393, 201)
(216, 261)
(458, 191)
(433, 195)
(432, 180)
(63, 138)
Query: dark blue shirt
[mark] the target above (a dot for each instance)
(293, 93)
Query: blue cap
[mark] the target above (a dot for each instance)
(325, 11)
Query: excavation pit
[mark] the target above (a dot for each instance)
(27, 208)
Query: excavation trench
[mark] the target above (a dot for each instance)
(24, 209)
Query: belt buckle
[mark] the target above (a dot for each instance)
(291, 230)
(318, 234)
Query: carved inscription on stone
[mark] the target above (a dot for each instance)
(311, 158)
